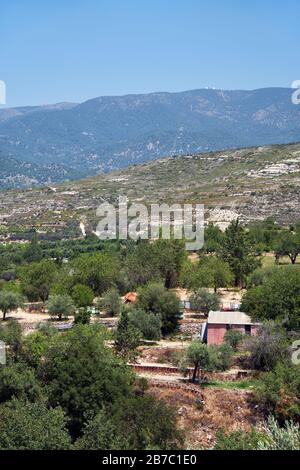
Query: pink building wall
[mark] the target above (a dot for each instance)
(216, 333)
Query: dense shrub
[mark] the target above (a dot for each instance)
(148, 323)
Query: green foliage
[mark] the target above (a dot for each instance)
(37, 279)
(127, 338)
(82, 296)
(32, 426)
(9, 301)
(259, 276)
(278, 298)
(34, 346)
(263, 234)
(233, 337)
(101, 433)
(204, 301)
(60, 306)
(11, 334)
(278, 392)
(33, 252)
(142, 266)
(138, 423)
(99, 271)
(82, 374)
(171, 255)
(267, 348)
(210, 271)
(111, 302)
(238, 251)
(19, 381)
(238, 440)
(154, 298)
(148, 323)
(82, 316)
(213, 239)
(197, 355)
(288, 244)
(280, 438)
(207, 358)
(220, 356)
(158, 262)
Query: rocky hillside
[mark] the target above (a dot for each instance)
(251, 184)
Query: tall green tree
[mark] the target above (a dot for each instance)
(111, 302)
(60, 306)
(32, 426)
(155, 298)
(82, 295)
(239, 253)
(277, 298)
(33, 252)
(198, 356)
(82, 374)
(99, 270)
(127, 338)
(37, 279)
(288, 244)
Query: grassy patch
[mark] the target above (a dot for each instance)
(232, 385)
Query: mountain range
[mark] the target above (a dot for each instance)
(65, 141)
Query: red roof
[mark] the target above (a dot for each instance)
(130, 297)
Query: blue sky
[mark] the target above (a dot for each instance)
(73, 50)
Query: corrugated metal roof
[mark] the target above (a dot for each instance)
(229, 318)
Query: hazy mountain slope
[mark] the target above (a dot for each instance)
(113, 132)
(18, 173)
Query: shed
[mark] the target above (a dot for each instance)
(220, 322)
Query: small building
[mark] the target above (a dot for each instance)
(220, 322)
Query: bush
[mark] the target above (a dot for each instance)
(148, 323)
(32, 426)
(82, 296)
(278, 298)
(138, 423)
(11, 334)
(267, 348)
(154, 298)
(82, 374)
(127, 338)
(238, 440)
(60, 306)
(82, 316)
(280, 438)
(18, 381)
(220, 357)
(233, 337)
(111, 302)
(278, 392)
(34, 347)
(204, 301)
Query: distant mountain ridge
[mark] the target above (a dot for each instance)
(109, 133)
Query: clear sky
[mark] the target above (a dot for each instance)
(73, 50)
